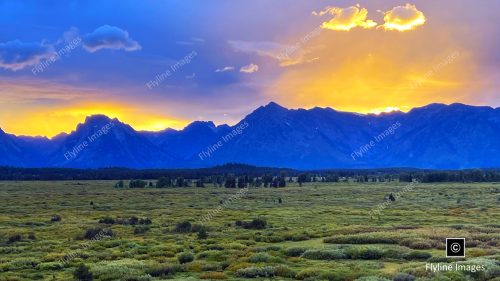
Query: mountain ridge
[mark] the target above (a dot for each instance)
(435, 136)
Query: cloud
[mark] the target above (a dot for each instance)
(251, 68)
(224, 69)
(261, 48)
(403, 18)
(287, 55)
(344, 19)
(16, 55)
(191, 41)
(109, 37)
(71, 34)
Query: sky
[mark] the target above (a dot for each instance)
(164, 64)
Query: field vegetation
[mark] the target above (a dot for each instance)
(103, 230)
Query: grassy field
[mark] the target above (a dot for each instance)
(315, 232)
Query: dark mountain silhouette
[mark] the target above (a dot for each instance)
(435, 136)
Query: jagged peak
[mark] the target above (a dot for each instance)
(97, 118)
(200, 124)
(274, 105)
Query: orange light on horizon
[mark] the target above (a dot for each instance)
(388, 109)
(51, 122)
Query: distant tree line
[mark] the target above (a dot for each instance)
(282, 180)
(227, 181)
(239, 175)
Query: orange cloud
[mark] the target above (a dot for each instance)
(403, 18)
(345, 19)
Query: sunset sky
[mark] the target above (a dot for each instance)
(159, 64)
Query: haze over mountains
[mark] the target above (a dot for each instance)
(435, 136)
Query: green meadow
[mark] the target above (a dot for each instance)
(320, 231)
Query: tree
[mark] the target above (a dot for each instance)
(301, 179)
(281, 182)
(242, 182)
(392, 198)
(199, 183)
(137, 184)
(164, 182)
(230, 182)
(202, 233)
(267, 179)
(82, 273)
(180, 182)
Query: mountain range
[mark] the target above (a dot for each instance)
(436, 136)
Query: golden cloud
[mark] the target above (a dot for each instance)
(403, 18)
(344, 19)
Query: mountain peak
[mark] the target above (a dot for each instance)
(272, 109)
(274, 105)
(97, 118)
(200, 125)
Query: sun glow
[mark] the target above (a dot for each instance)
(50, 122)
(388, 109)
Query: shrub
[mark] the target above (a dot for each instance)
(141, 229)
(213, 275)
(50, 266)
(97, 233)
(183, 227)
(133, 220)
(255, 272)
(196, 227)
(145, 221)
(298, 237)
(361, 239)
(185, 257)
(364, 253)
(493, 273)
(404, 277)
(258, 223)
(307, 274)
(419, 244)
(15, 238)
(202, 233)
(273, 248)
(82, 273)
(283, 271)
(107, 220)
(339, 275)
(324, 254)
(372, 278)
(416, 255)
(164, 270)
(259, 257)
(55, 218)
(213, 255)
(294, 252)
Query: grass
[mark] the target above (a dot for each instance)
(317, 232)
